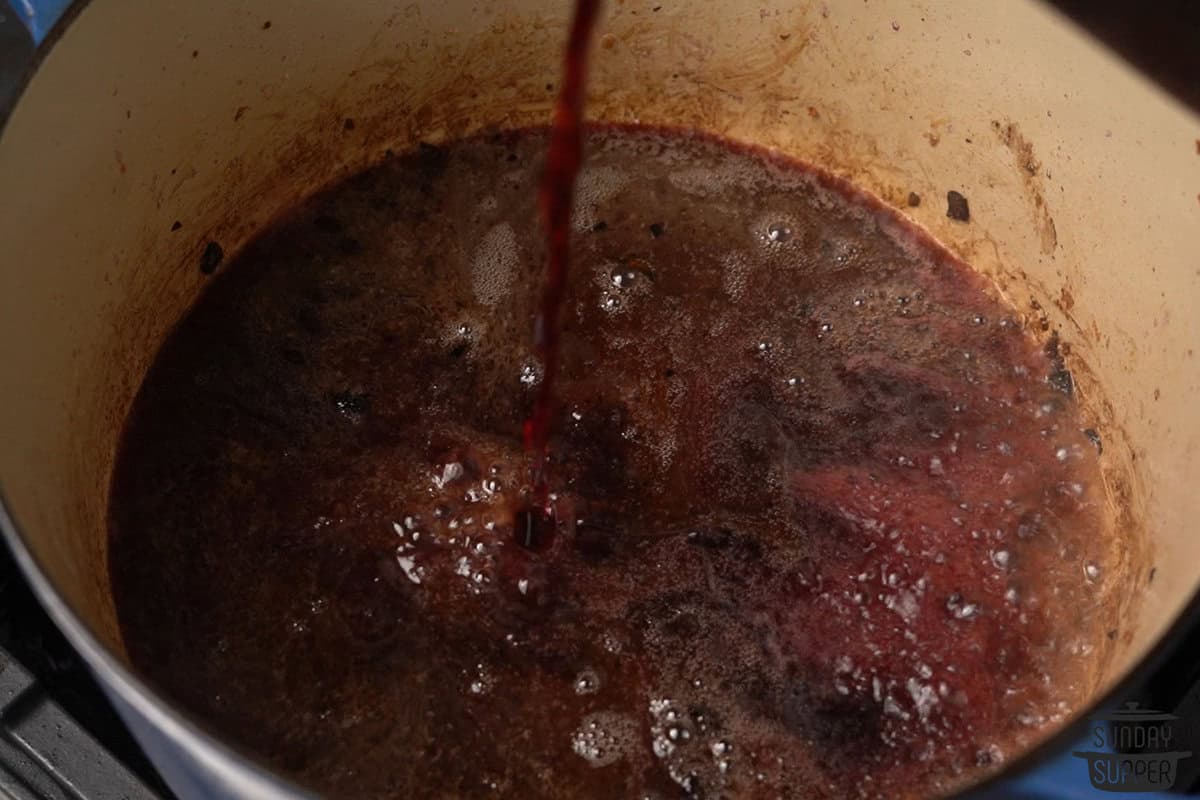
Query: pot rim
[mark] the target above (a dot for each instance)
(249, 777)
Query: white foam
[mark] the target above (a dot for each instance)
(595, 185)
(495, 265)
(694, 180)
(735, 272)
(409, 565)
(904, 604)
(707, 180)
(664, 448)
(604, 737)
(923, 696)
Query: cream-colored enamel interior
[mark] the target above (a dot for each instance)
(1082, 180)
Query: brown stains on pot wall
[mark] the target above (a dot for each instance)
(1066, 299)
(1029, 168)
(937, 128)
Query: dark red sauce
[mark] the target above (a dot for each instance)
(825, 521)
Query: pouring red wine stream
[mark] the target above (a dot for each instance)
(534, 523)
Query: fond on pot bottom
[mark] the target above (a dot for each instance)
(828, 525)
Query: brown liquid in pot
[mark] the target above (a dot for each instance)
(826, 527)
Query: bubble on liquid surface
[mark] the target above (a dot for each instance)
(594, 186)
(530, 374)
(778, 232)
(450, 473)
(409, 565)
(710, 180)
(904, 604)
(735, 274)
(604, 737)
(989, 756)
(959, 608)
(587, 682)
(924, 697)
(622, 277)
(838, 250)
(482, 680)
(497, 258)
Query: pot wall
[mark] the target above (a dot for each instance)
(1082, 179)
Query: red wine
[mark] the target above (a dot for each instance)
(535, 522)
(825, 520)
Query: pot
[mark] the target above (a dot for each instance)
(152, 129)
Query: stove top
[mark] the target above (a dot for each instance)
(59, 737)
